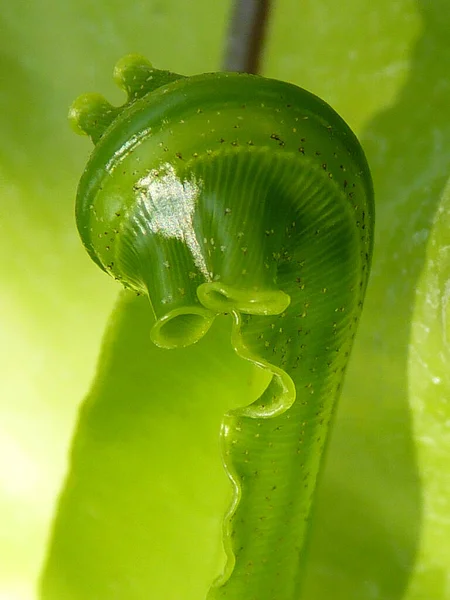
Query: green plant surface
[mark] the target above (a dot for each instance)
(429, 389)
(383, 498)
(204, 222)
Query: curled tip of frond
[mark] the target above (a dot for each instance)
(91, 114)
(133, 73)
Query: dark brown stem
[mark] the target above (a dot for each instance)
(246, 35)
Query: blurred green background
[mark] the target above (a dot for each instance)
(79, 492)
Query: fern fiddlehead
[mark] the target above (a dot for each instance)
(232, 193)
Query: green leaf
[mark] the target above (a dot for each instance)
(429, 391)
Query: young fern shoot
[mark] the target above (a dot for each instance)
(233, 193)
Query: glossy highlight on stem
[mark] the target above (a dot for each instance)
(231, 193)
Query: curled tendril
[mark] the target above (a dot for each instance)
(231, 193)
